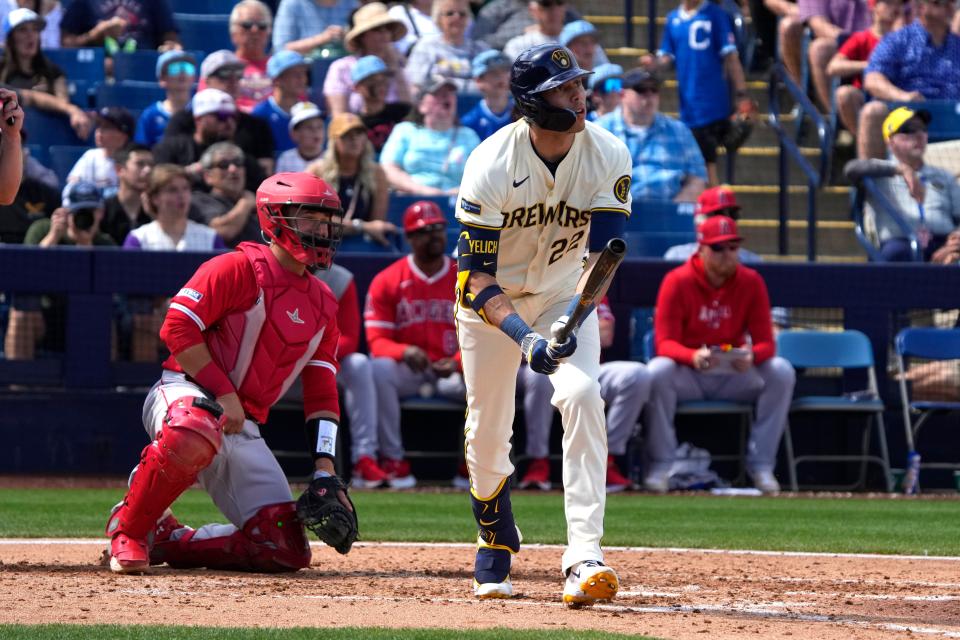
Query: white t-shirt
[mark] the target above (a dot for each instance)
(291, 160)
(94, 166)
(423, 23)
(544, 221)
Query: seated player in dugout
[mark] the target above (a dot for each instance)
(537, 196)
(241, 330)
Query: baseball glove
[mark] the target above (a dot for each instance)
(321, 511)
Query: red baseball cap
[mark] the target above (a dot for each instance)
(715, 199)
(717, 229)
(421, 214)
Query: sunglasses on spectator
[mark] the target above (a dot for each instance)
(181, 68)
(912, 127)
(720, 247)
(546, 4)
(225, 164)
(454, 13)
(611, 85)
(228, 74)
(248, 25)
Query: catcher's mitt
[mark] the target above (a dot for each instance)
(321, 511)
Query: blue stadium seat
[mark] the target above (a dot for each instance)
(131, 94)
(467, 101)
(81, 92)
(358, 244)
(318, 73)
(45, 128)
(40, 153)
(661, 215)
(63, 157)
(79, 64)
(201, 6)
(204, 32)
(138, 65)
(945, 124)
(653, 244)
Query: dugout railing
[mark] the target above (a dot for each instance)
(81, 392)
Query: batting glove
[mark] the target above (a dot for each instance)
(539, 354)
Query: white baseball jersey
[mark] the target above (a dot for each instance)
(544, 219)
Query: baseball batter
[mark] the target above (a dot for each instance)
(537, 197)
(242, 329)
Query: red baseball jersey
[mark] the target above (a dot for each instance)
(263, 325)
(406, 307)
(691, 313)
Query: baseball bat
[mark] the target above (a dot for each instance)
(602, 273)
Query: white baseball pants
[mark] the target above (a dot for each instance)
(490, 363)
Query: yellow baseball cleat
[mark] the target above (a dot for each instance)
(590, 582)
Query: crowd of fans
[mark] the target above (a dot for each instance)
(180, 173)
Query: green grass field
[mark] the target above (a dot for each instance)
(843, 525)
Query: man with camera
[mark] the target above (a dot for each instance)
(76, 223)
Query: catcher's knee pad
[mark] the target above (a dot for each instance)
(190, 438)
(494, 515)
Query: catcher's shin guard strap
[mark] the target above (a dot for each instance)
(322, 437)
(495, 523)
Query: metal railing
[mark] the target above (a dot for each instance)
(881, 206)
(790, 150)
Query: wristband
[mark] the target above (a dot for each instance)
(322, 437)
(212, 378)
(481, 298)
(514, 326)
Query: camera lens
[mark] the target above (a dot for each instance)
(83, 219)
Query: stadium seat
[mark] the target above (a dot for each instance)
(81, 92)
(201, 6)
(741, 410)
(843, 350)
(318, 73)
(45, 128)
(653, 244)
(138, 65)
(945, 124)
(928, 357)
(130, 94)
(63, 157)
(78, 64)
(359, 244)
(467, 101)
(204, 32)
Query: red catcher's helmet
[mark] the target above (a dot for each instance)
(421, 214)
(283, 200)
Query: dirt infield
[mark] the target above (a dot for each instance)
(664, 593)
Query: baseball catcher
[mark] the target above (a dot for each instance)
(240, 331)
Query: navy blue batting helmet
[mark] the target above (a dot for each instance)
(541, 69)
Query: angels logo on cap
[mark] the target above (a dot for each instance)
(717, 229)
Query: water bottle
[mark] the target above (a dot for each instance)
(911, 479)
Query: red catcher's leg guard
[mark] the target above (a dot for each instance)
(188, 442)
(272, 541)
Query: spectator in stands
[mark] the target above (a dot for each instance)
(698, 38)
(40, 83)
(227, 208)
(415, 16)
(491, 72)
(410, 331)
(714, 341)
(50, 10)
(765, 15)
(35, 318)
(214, 115)
(176, 72)
(850, 61)
(949, 253)
(114, 130)
(426, 156)
(308, 133)
(167, 201)
(921, 61)
(500, 20)
(624, 387)
(548, 18)
(355, 379)
(583, 39)
(306, 25)
(373, 34)
(124, 210)
(606, 90)
(349, 166)
(148, 24)
(449, 54)
(288, 72)
(371, 81)
(831, 22)
(715, 201)
(667, 164)
(250, 24)
(926, 197)
(36, 197)
(223, 70)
